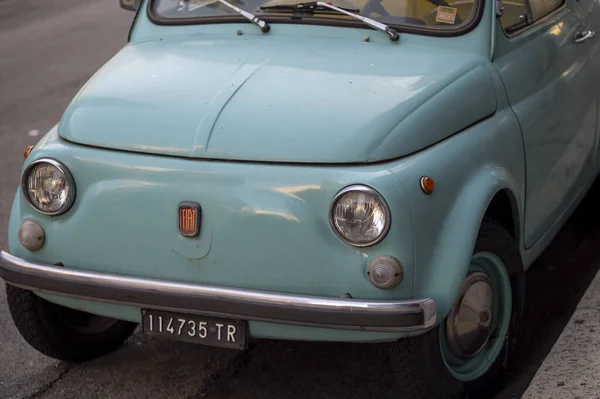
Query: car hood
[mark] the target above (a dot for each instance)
(279, 100)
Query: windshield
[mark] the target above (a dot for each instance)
(436, 15)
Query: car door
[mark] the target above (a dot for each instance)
(589, 11)
(547, 77)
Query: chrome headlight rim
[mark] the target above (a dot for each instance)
(365, 189)
(70, 181)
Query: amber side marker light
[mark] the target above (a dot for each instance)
(427, 184)
(27, 151)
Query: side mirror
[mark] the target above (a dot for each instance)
(131, 5)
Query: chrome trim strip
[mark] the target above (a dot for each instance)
(347, 314)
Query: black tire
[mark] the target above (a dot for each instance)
(418, 361)
(54, 330)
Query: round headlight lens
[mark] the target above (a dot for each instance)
(49, 187)
(360, 216)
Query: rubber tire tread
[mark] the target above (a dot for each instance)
(38, 324)
(418, 362)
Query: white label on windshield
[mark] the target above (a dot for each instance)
(446, 15)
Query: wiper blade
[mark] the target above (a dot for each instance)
(309, 7)
(319, 6)
(264, 27)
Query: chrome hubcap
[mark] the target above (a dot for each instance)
(469, 324)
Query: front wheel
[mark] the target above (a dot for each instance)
(469, 351)
(63, 333)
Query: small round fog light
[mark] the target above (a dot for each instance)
(31, 235)
(385, 272)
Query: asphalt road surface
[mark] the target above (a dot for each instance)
(48, 49)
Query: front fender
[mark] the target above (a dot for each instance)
(468, 170)
(446, 268)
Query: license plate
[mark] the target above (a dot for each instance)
(192, 328)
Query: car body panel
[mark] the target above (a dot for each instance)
(589, 12)
(230, 98)
(547, 79)
(469, 170)
(257, 221)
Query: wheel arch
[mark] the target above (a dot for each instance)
(503, 209)
(443, 268)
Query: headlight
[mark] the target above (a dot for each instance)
(360, 216)
(48, 187)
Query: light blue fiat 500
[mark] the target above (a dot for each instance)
(356, 170)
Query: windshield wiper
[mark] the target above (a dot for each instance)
(309, 7)
(320, 6)
(264, 27)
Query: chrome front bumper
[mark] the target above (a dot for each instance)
(347, 314)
